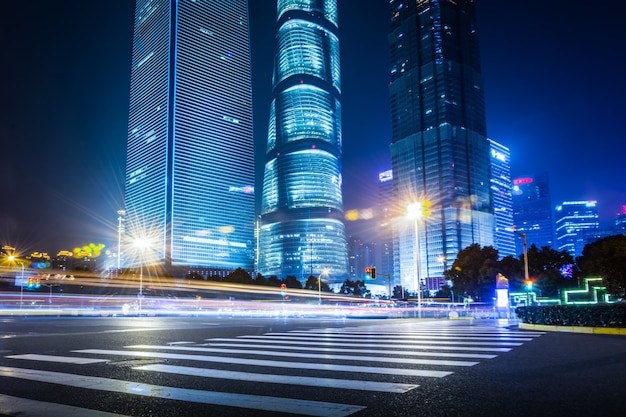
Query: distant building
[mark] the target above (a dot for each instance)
(620, 222)
(502, 198)
(360, 255)
(576, 225)
(385, 233)
(439, 150)
(533, 211)
(190, 152)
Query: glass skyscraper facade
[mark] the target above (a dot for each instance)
(302, 230)
(440, 153)
(576, 224)
(190, 154)
(533, 211)
(502, 198)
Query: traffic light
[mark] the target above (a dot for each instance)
(30, 282)
(368, 272)
(373, 270)
(37, 282)
(283, 289)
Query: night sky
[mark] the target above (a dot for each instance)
(553, 74)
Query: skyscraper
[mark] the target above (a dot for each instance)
(576, 222)
(439, 150)
(302, 230)
(532, 211)
(502, 198)
(190, 172)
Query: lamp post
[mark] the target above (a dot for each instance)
(120, 213)
(12, 259)
(319, 285)
(415, 212)
(142, 244)
(523, 236)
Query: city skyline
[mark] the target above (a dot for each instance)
(65, 107)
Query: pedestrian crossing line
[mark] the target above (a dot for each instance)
(358, 350)
(57, 359)
(256, 402)
(443, 332)
(342, 339)
(264, 352)
(349, 384)
(374, 345)
(404, 336)
(14, 406)
(272, 364)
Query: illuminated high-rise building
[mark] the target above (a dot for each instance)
(576, 222)
(190, 172)
(302, 230)
(533, 211)
(440, 153)
(502, 198)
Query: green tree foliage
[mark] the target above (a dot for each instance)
(260, 280)
(356, 288)
(606, 258)
(239, 276)
(474, 271)
(313, 284)
(544, 267)
(273, 281)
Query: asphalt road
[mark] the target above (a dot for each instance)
(203, 366)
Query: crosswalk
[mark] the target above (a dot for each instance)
(391, 359)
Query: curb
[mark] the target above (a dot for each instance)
(574, 329)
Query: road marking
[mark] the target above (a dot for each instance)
(58, 359)
(257, 402)
(342, 339)
(272, 364)
(334, 383)
(357, 350)
(308, 356)
(14, 406)
(374, 345)
(404, 336)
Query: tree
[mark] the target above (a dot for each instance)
(239, 276)
(474, 271)
(292, 282)
(312, 283)
(356, 288)
(260, 280)
(273, 281)
(606, 258)
(545, 265)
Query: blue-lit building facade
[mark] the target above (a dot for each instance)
(386, 216)
(190, 154)
(502, 198)
(440, 153)
(577, 223)
(533, 211)
(302, 231)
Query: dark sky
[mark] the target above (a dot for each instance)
(554, 82)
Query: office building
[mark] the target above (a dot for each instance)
(302, 231)
(502, 198)
(576, 225)
(533, 211)
(440, 153)
(385, 217)
(190, 154)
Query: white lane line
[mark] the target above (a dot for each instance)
(409, 336)
(272, 364)
(256, 402)
(14, 406)
(382, 359)
(444, 332)
(370, 339)
(334, 383)
(358, 350)
(374, 345)
(58, 359)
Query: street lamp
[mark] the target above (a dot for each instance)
(120, 213)
(415, 211)
(142, 244)
(12, 259)
(319, 285)
(523, 236)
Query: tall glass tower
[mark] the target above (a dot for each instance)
(440, 153)
(302, 231)
(502, 198)
(189, 172)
